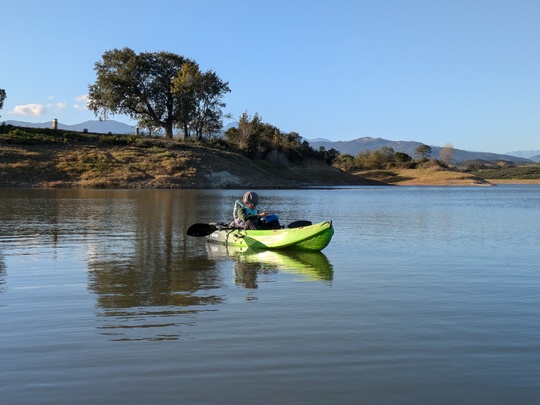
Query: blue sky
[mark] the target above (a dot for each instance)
(465, 72)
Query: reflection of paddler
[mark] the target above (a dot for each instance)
(313, 266)
(246, 273)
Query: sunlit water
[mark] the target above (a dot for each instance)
(424, 296)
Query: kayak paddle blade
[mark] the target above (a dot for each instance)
(201, 230)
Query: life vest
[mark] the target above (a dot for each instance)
(249, 211)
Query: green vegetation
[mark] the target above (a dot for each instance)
(423, 151)
(384, 158)
(2, 98)
(387, 158)
(506, 171)
(257, 140)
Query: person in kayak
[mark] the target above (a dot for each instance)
(247, 216)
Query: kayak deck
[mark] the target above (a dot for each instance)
(308, 238)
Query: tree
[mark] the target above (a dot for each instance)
(2, 98)
(401, 157)
(447, 153)
(423, 151)
(259, 140)
(201, 100)
(245, 136)
(142, 87)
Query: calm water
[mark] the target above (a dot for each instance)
(424, 296)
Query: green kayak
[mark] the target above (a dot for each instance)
(309, 238)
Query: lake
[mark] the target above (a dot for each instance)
(426, 295)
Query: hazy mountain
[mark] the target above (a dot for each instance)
(409, 147)
(100, 127)
(527, 154)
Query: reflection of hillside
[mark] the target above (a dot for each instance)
(142, 300)
(309, 266)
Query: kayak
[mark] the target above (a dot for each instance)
(308, 238)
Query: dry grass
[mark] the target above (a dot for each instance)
(163, 165)
(93, 167)
(514, 181)
(423, 177)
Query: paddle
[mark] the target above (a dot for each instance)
(204, 229)
(200, 229)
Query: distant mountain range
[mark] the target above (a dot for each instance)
(99, 127)
(527, 154)
(346, 147)
(409, 147)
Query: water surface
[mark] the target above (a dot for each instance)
(425, 295)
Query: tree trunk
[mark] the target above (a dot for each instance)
(169, 130)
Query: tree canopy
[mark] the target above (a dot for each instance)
(2, 98)
(423, 151)
(159, 90)
(201, 96)
(260, 140)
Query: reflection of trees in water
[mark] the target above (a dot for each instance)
(141, 263)
(137, 284)
(142, 300)
(2, 273)
(150, 283)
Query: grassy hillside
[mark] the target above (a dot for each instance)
(46, 158)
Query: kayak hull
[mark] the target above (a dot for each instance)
(307, 238)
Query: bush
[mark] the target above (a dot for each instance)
(119, 140)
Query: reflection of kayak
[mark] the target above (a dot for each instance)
(310, 265)
(308, 238)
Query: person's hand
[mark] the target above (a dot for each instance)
(263, 214)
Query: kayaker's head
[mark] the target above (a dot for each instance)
(251, 198)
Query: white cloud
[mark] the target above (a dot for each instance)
(34, 110)
(61, 105)
(84, 102)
